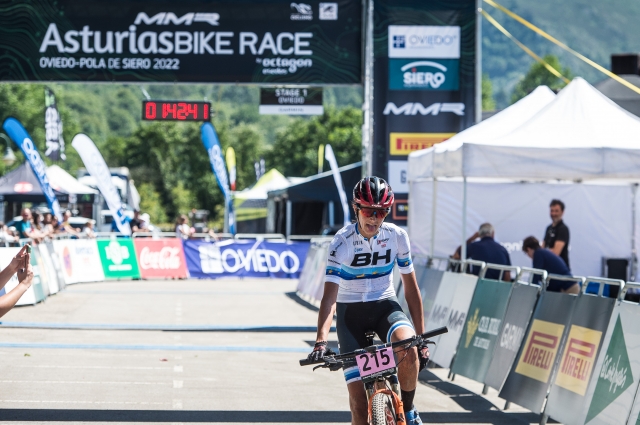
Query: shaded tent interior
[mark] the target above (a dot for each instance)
(309, 206)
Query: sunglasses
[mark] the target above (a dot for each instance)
(377, 212)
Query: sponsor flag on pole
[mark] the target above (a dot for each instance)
(19, 135)
(53, 128)
(212, 145)
(96, 166)
(328, 152)
(231, 166)
(320, 158)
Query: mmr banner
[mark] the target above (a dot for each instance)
(441, 308)
(160, 258)
(80, 260)
(516, 320)
(529, 380)
(118, 257)
(589, 323)
(458, 313)
(484, 320)
(253, 258)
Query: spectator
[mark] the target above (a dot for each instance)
(136, 222)
(545, 259)
(25, 227)
(556, 237)
(37, 222)
(183, 230)
(20, 264)
(489, 251)
(5, 234)
(47, 226)
(88, 229)
(66, 227)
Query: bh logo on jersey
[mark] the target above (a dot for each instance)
(366, 259)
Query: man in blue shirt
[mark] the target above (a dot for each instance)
(489, 251)
(545, 259)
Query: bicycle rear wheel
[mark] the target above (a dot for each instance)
(382, 410)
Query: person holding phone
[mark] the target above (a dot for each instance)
(20, 264)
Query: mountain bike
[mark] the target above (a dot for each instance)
(379, 373)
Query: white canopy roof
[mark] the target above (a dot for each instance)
(64, 182)
(579, 135)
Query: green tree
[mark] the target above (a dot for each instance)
(295, 151)
(488, 103)
(538, 75)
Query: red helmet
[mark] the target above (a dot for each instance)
(373, 192)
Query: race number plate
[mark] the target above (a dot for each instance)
(375, 362)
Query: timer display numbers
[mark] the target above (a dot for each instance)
(161, 110)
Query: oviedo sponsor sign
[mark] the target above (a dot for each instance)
(245, 258)
(118, 258)
(160, 258)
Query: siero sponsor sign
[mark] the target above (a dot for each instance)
(424, 41)
(160, 258)
(118, 258)
(246, 258)
(274, 41)
(434, 74)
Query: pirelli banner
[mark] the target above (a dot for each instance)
(425, 81)
(482, 327)
(226, 41)
(530, 376)
(516, 321)
(578, 359)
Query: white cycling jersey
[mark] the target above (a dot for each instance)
(364, 268)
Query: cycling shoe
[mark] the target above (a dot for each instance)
(413, 417)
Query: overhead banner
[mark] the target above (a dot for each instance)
(19, 135)
(516, 321)
(530, 377)
(425, 83)
(160, 258)
(589, 323)
(482, 327)
(53, 128)
(251, 258)
(458, 314)
(80, 260)
(118, 257)
(291, 101)
(273, 41)
(97, 167)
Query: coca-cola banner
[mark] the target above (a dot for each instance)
(80, 260)
(160, 258)
(245, 258)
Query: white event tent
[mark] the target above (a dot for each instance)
(506, 169)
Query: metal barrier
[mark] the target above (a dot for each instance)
(626, 288)
(576, 279)
(260, 236)
(480, 264)
(436, 263)
(531, 273)
(499, 267)
(601, 281)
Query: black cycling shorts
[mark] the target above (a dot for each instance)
(355, 319)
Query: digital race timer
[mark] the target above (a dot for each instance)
(163, 110)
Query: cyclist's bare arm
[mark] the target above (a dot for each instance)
(414, 300)
(327, 310)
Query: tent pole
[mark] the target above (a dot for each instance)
(463, 246)
(289, 209)
(634, 251)
(367, 106)
(434, 197)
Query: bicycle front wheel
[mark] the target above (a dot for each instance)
(382, 410)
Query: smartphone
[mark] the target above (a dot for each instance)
(22, 270)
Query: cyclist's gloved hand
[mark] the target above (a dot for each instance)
(423, 355)
(320, 350)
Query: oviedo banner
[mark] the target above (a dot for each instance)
(118, 257)
(481, 330)
(424, 73)
(528, 382)
(588, 324)
(516, 320)
(227, 41)
(245, 258)
(80, 260)
(160, 258)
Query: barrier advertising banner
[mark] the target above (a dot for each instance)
(35, 293)
(311, 281)
(424, 55)
(516, 320)
(481, 329)
(80, 260)
(118, 257)
(441, 308)
(589, 323)
(610, 395)
(56, 262)
(160, 258)
(272, 41)
(529, 379)
(458, 314)
(429, 282)
(47, 275)
(253, 258)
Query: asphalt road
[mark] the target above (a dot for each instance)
(191, 351)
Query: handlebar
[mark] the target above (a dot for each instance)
(414, 339)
